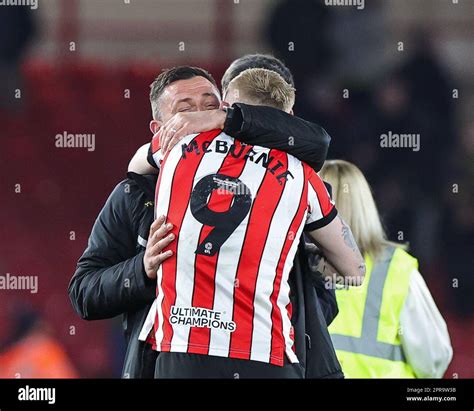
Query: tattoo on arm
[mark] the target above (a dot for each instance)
(348, 237)
(350, 242)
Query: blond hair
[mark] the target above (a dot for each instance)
(355, 203)
(264, 88)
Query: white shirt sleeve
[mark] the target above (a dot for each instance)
(149, 322)
(158, 157)
(424, 334)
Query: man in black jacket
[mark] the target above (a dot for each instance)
(110, 278)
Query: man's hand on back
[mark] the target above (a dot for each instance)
(158, 240)
(185, 123)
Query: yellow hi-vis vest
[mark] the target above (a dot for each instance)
(366, 331)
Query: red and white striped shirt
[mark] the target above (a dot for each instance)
(238, 212)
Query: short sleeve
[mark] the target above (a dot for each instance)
(321, 209)
(154, 151)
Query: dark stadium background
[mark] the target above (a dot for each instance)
(427, 87)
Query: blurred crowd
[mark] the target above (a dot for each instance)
(425, 194)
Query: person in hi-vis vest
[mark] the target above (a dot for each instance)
(390, 326)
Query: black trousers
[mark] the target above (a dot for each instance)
(183, 365)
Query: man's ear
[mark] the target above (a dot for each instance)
(292, 112)
(155, 126)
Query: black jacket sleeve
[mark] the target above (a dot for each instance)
(326, 296)
(110, 278)
(327, 300)
(273, 128)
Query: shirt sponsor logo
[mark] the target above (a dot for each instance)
(200, 317)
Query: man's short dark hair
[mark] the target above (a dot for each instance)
(171, 75)
(264, 61)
